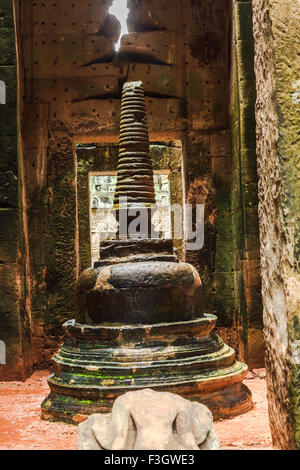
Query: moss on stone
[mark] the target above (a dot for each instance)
(6, 14)
(7, 46)
(244, 200)
(8, 119)
(9, 154)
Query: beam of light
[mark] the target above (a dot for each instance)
(120, 11)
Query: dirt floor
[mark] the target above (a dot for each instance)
(22, 428)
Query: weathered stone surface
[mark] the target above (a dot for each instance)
(72, 90)
(145, 285)
(111, 28)
(63, 18)
(166, 117)
(205, 16)
(35, 127)
(246, 256)
(15, 328)
(146, 420)
(102, 70)
(56, 41)
(161, 47)
(276, 57)
(144, 292)
(137, 288)
(62, 265)
(8, 190)
(146, 16)
(64, 52)
(8, 117)
(119, 251)
(134, 170)
(6, 17)
(207, 101)
(159, 80)
(101, 157)
(7, 46)
(206, 49)
(113, 359)
(9, 154)
(90, 118)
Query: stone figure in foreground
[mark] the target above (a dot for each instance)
(149, 420)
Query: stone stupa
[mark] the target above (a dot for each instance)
(140, 321)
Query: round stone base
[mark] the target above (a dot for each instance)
(96, 364)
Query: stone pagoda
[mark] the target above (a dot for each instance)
(140, 321)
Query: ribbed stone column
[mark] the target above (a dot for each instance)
(135, 173)
(135, 185)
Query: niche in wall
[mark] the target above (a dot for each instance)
(96, 174)
(102, 187)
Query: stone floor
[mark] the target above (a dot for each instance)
(22, 428)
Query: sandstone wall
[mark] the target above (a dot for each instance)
(71, 80)
(277, 34)
(244, 200)
(15, 318)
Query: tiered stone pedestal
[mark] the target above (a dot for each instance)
(96, 364)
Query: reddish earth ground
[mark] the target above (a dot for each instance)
(22, 428)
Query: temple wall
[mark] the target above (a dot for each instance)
(104, 158)
(277, 33)
(15, 321)
(71, 84)
(244, 201)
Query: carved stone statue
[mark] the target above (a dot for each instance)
(149, 420)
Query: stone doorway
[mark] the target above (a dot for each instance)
(98, 161)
